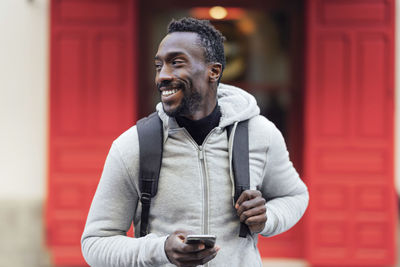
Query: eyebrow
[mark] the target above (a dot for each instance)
(171, 55)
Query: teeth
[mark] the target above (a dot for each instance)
(169, 92)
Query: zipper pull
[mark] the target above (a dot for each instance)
(201, 153)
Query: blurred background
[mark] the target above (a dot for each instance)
(75, 74)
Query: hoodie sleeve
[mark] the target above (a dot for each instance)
(104, 241)
(286, 194)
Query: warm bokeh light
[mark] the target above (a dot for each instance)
(246, 25)
(218, 12)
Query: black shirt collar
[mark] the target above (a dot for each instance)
(199, 129)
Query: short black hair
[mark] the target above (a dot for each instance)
(210, 38)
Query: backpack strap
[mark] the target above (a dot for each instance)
(240, 162)
(150, 132)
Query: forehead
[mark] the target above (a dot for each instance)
(182, 43)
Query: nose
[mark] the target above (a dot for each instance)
(164, 74)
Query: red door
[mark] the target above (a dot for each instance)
(349, 132)
(91, 102)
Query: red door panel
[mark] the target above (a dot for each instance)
(92, 94)
(349, 133)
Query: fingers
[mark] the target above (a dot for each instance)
(251, 210)
(195, 258)
(200, 261)
(247, 195)
(245, 214)
(256, 220)
(191, 248)
(251, 204)
(182, 247)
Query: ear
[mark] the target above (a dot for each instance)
(215, 71)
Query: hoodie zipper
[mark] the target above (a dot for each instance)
(205, 189)
(201, 157)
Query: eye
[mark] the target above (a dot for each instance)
(177, 62)
(157, 66)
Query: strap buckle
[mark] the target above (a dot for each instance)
(145, 198)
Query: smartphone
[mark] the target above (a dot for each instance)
(207, 240)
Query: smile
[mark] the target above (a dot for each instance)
(169, 92)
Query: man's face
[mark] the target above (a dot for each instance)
(182, 76)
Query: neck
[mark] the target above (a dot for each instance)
(199, 129)
(203, 112)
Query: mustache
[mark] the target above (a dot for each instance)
(170, 84)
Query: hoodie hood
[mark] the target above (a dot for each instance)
(236, 105)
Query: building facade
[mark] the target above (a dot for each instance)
(72, 83)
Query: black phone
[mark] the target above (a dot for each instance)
(207, 240)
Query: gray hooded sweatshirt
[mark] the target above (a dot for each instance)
(195, 191)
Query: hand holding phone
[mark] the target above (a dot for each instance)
(180, 249)
(207, 240)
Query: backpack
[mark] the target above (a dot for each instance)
(150, 132)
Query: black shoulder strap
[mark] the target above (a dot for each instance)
(150, 132)
(240, 161)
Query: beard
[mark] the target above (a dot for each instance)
(190, 102)
(189, 105)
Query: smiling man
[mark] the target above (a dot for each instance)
(195, 189)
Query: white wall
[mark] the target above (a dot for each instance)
(24, 30)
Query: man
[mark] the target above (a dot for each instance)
(195, 184)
